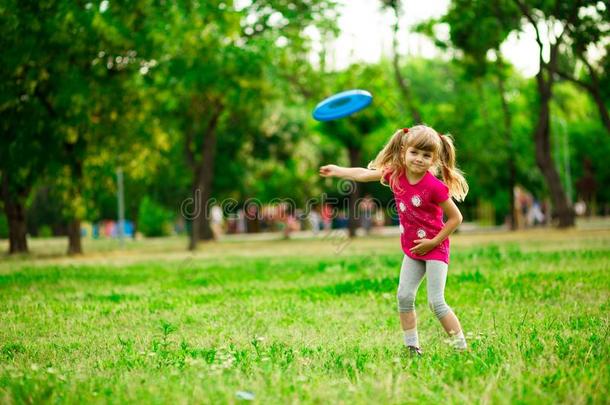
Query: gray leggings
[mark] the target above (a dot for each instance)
(411, 275)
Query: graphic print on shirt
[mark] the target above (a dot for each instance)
(416, 200)
(413, 218)
(410, 212)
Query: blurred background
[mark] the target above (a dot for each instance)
(127, 120)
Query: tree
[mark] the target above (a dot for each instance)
(563, 22)
(475, 29)
(541, 13)
(352, 132)
(589, 31)
(403, 84)
(215, 64)
(71, 79)
(25, 142)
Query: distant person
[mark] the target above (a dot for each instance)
(536, 216)
(327, 216)
(587, 186)
(342, 220)
(240, 221)
(287, 219)
(407, 164)
(109, 229)
(216, 221)
(523, 205)
(367, 210)
(580, 208)
(252, 218)
(315, 220)
(379, 219)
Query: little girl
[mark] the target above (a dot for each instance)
(421, 199)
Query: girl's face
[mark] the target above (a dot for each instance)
(418, 161)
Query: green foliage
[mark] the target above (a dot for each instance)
(478, 26)
(146, 79)
(45, 231)
(588, 143)
(232, 82)
(153, 219)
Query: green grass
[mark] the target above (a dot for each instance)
(308, 328)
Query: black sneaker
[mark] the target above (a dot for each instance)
(415, 351)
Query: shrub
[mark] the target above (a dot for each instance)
(153, 219)
(45, 231)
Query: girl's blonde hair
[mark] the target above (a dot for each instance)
(391, 159)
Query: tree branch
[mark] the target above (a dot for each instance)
(305, 91)
(570, 78)
(528, 15)
(45, 102)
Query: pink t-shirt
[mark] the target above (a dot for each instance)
(420, 215)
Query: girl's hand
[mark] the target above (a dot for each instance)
(423, 246)
(329, 171)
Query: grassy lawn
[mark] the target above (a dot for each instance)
(308, 321)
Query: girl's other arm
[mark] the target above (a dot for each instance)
(454, 219)
(351, 173)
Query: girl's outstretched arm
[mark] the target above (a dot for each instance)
(351, 173)
(454, 219)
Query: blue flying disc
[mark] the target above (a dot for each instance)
(342, 104)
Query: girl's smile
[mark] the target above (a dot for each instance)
(417, 160)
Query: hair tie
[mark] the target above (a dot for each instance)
(405, 130)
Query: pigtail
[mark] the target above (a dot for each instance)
(390, 158)
(452, 176)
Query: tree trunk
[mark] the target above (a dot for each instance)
(544, 159)
(200, 229)
(197, 213)
(203, 220)
(354, 159)
(508, 136)
(207, 175)
(15, 213)
(75, 246)
(74, 238)
(203, 172)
